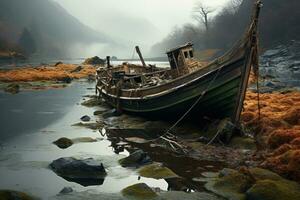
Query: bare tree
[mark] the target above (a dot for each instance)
(202, 14)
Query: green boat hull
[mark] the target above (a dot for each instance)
(221, 89)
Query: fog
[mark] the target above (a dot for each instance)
(134, 22)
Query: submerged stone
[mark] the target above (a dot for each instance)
(12, 88)
(139, 191)
(85, 118)
(135, 159)
(157, 171)
(63, 143)
(85, 172)
(66, 190)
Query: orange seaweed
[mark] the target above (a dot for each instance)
(46, 73)
(279, 128)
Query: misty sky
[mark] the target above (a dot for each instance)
(142, 22)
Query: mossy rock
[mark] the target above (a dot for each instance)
(274, 190)
(262, 174)
(243, 143)
(14, 195)
(230, 187)
(91, 102)
(157, 171)
(139, 191)
(63, 143)
(12, 88)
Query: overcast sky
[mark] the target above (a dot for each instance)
(142, 22)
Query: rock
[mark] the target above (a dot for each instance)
(93, 126)
(12, 88)
(139, 191)
(94, 61)
(85, 118)
(262, 174)
(85, 172)
(14, 195)
(66, 190)
(63, 143)
(157, 171)
(77, 69)
(282, 63)
(226, 130)
(91, 102)
(135, 159)
(65, 79)
(274, 190)
(232, 186)
(99, 112)
(58, 63)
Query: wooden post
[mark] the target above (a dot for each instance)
(108, 61)
(140, 55)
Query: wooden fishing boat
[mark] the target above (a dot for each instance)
(188, 88)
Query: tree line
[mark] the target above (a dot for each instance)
(278, 24)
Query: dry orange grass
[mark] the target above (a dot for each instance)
(46, 73)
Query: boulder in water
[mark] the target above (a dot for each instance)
(136, 159)
(85, 172)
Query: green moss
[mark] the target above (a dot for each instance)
(139, 191)
(157, 171)
(274, 190)
(262, 174)
(63, 143)
(232, 186)
(12, 195)
(91, 102)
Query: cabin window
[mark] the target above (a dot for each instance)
(186, 54)
(191, 54)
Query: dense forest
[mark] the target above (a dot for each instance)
(278, 24)
(42, 28)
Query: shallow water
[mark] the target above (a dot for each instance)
(31, 121)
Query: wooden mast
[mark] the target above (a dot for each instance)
(140, 55)
(252, 37)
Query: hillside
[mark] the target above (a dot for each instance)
(278, 25)
(42, 28)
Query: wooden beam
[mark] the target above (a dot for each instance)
(140, 55)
